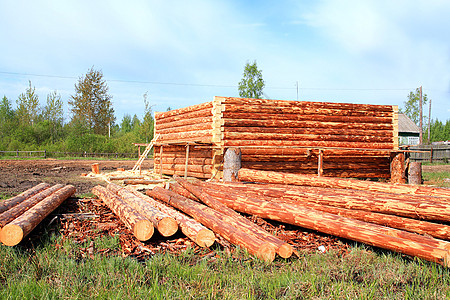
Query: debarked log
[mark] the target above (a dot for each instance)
(436, 230)
(282, 248)
(313, 144)
(185, 110)
(22, 207)
(218, 222)
(141, 227)
(165, 224)
(339, 226)
(201, 235)
(11, 202)
(305, 180)
(13, 233)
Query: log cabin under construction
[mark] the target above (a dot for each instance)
(328, 139)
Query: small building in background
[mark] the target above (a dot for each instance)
(408, 131)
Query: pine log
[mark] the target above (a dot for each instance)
(315, 144)
(191, 160)
(191, 228)
(398, 168)
(231, 164)
(190, 168)
(310, 130)
(191, 127)
(184, 110)
(312, 163)
(22, 207)
(218, 222)
(415, 173)
(177, 188)
(182, 122)
(141, 227)
(412, 206)
(11, 202)
(306, 110)
(165, 224)
(339, 226)
(299, 117)
(204, 112)
(304, 104)
(282, 248)
(200, 135)
(436, 230)
(231, 135)
(273, 123)
(125, 177)
(283, 178)
(189, 174)
(15, 231)
(143, 181)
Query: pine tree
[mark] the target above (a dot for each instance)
(91, 106)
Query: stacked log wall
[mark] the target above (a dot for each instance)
(177, 128)
(354, 140)
(269, 130)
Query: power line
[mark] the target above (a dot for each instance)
(210, 85)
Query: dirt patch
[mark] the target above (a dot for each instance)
(18, 176)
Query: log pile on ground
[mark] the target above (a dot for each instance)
(21, 214)
(410, 224)
(142, 214)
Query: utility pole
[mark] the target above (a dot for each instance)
(429, 124)
(420, 117)
(297, 89)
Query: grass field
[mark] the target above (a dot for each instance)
(49, 272)
(51, 268)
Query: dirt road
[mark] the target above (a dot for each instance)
(17, 176)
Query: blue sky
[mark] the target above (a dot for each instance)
(186, 52)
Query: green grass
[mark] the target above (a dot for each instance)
(437, 178)
(50, 272)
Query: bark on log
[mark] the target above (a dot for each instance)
(141, 227)
(15, 231)
(231, 164)
(143, 181)
(206, 112)
(306, 110)
(313, 137)
(338, 226)
(310, 130)
(305, 104)
(233, 122)
(191, 160)
(298, 117)
(190, 168)
(192, 127)
(11, 202)
(218, 222)
(336, 144)
(125, 177)
(398, 168)
(305, 180)
(415, 173)
(190, 174)
(183, 122)
(184, 110)
(439, 231)
(282, 248)
(165, 224)
(201, 135)
(201, 235)
(22, 207)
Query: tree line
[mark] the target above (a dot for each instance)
(91, 127)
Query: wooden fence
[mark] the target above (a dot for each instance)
(46, 154)
(433, 153)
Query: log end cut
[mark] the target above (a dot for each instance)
(205, 238)
(11, 235)
(266, 252)
(167, 226)
(143, 230)
(285, 250)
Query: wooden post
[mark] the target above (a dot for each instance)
(420, 117)
(160, 161)
(231, 164)
(397, 167)
(415, 172)
(320, 163)
(186, 162)
(431, 154)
